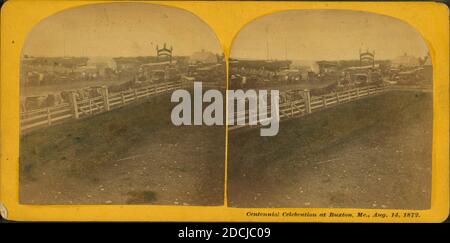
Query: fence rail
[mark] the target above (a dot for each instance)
(39, 118)
(305, 105)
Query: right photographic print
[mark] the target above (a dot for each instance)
(355, 112)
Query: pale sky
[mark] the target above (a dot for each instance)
(326, 35)
(120, 29)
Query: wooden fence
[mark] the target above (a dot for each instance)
(306, 105)
(77, 109)
(39, 118)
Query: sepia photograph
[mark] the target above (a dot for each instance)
(224, 112)
(355, 112)
(95, 108)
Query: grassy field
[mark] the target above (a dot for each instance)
(372, 153)
(130, 155)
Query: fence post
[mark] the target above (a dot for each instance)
(357, 92)
(74, 105)
(324, 100)
(337, 98)
(123, 97)
(90, 106)
(135, 95)
(105, 94)
(307, 98)
(49, 117)
(292, 108)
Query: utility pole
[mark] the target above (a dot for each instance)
(285, 49)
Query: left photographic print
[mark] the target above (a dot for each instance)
(95, 108)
